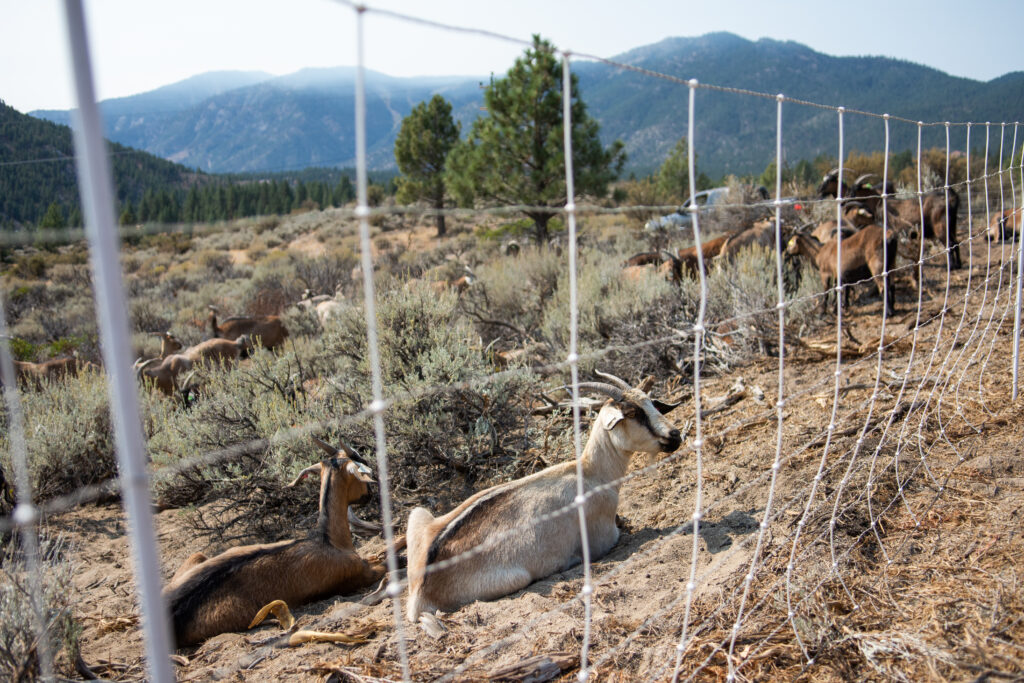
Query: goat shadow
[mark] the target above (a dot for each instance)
(718, 535)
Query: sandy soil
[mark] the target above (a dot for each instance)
(973, 451)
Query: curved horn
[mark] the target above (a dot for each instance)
(606, 389)
(622, 384)
(864, 178)
(140, 366)
(352, 453)
(673, 257)
(324, 446)
(345, 448)
(304, 473)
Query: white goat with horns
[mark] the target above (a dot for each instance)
(515, 546)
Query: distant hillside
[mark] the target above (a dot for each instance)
(37, 168)
(286, 123)
(306, 119)
(736, 133)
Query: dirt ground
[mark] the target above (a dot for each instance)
(927, 539)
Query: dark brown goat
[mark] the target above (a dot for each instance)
(211, 596)
(933, 220)
(862, 257)
(267, 329)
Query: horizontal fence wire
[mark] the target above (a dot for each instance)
(897, 425)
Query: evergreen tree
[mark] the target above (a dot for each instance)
(674, 174)
(127, 215)
(427, 135)
(514, 155)
(53, 218)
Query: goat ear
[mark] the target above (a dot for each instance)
(305, 473)
(664, 408)
(610, 416)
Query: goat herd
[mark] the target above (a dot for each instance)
(867, 250)
(500, 539)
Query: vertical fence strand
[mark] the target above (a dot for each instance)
(96, 188)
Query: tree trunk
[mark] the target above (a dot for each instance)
(540, 227)
(439, 218)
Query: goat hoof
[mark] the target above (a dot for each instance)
(432, 626)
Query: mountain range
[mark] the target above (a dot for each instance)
(252, 121)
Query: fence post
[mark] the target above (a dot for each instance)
(96, 189)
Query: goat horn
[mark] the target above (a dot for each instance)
(601, 387)
(141, 365)
(352, 453)
(344, 448)
(324, 445)
(864, 177)
(303, 473)
(614, 380)
(673, 257)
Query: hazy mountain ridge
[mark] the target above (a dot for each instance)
(306, 118)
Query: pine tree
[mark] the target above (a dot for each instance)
(427, 135)
(514, 155)
(53, 218)
(674, 174)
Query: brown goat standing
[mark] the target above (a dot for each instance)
(267, 329)
(211, 596)
(862, 256)
(35, 375)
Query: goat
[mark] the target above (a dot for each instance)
(761, 233)
(645, 258)
(938, 217)
(630, 422)
(861, 257)
(165, 373)
(832, 186)
(855, 216)
(664, 262)
(35, 375)
(1005, 223)
(324, 306)
(870, 195)
(223, 593)
(267, 329)
(169, 344)
(688, 261)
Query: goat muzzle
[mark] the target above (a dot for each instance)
(670, 443)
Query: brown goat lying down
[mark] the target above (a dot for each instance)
(223, 593)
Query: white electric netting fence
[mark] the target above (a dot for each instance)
(905, 397)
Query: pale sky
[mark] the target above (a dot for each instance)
(139, 45)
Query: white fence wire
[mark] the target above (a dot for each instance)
(896, 425)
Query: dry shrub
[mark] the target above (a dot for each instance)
(18, 635)
(69, 436)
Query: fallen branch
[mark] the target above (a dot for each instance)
(535, 669)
